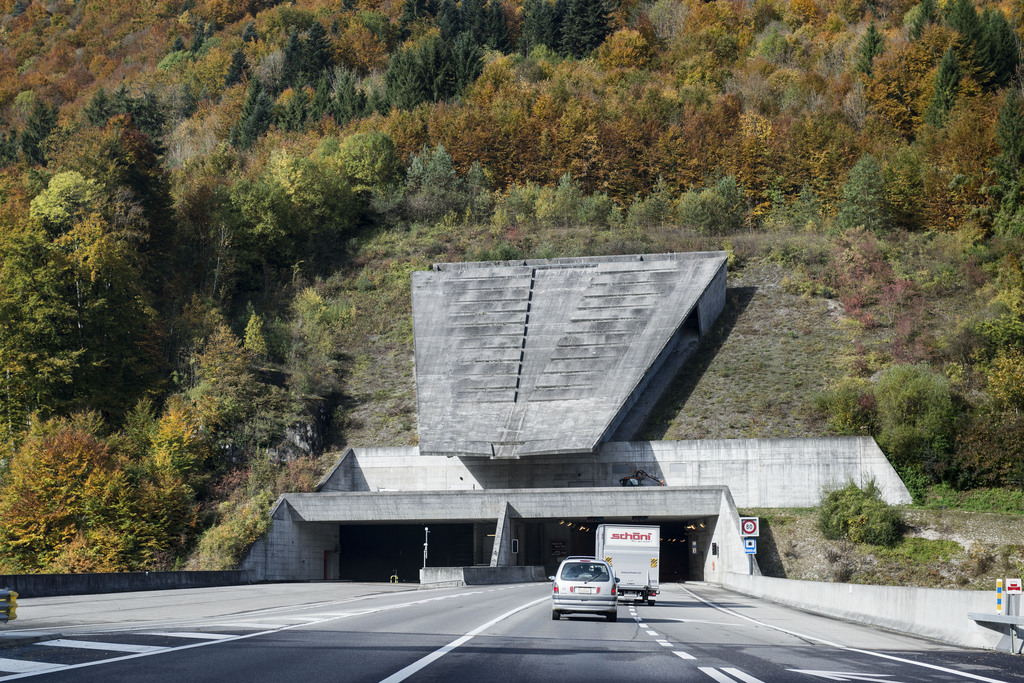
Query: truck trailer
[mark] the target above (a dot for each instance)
(633, 552)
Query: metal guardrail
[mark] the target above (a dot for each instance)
(1010, 622)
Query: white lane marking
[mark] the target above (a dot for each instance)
(437, 654)
(253, 624)
(196, 635)
(93, 645)
(652, 633)
(243, 636)
(716, 674)
(664, 643)
(20, 666)
(683, 655)
(746, 678)
(844, 676)
(880, 655)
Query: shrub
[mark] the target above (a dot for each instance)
(714, 211)
(859, 515)
(916, 415)
(849, 406)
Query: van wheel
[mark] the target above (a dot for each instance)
(555, 616)
(612, 616)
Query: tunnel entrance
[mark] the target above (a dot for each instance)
(375, 552)
(675, 552)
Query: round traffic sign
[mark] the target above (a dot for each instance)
(749, 527)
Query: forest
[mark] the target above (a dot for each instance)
(209, 211)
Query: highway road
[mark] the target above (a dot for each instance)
(392, 633)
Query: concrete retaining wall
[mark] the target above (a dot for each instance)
(44, 585)
(928, 612)
(442, 577)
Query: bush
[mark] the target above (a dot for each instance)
(916, 416)
(849, 406)
(714, 211)
(859, 515)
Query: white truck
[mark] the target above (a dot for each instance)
(633, 552)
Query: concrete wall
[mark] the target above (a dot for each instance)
(439, 577)
(293, 550)
(759, 472)
(928, 612)
(43, 585)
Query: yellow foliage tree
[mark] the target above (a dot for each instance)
(625, 49)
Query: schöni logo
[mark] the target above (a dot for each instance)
(631, 536)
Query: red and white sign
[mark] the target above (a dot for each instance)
(749, 526)
(1014, 586)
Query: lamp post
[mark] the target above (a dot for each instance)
(426, 544)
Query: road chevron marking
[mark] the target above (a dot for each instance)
(871, 653)
(441, 652)
(96, 645)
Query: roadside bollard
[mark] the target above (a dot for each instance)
(8, 605)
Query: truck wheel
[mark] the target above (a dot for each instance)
(555, 616)
(612, 616)
(650, 601)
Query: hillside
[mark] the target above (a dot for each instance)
(210, 211)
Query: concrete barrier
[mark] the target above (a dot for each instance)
(444, 577)
(928, 612)
(44, 585)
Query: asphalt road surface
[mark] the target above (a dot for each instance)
(371, 632)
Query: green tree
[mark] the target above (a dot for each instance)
(41, 122)
(349, 102)
(997, 52)
(320, 105)
(256, 117)
(249, 34)
(962, 16)
(916, 417)
(236, 69)
(294, 59)
(370, 160)
(585, 25)
(863, 197)
(449, 20)
(859, 515)
(496, 27)
(871, 45)
(924, 13)
(540, 26)
(317, 50)
(292, 116)
(1009, 165)
(947, 86)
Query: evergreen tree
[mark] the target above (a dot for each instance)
(256, 117)
(236, 69)
(294, 60)
(317, 50)
(406, 85)
(496, 27)
(863, 197)
(923, 14)
(449, 20)
(474, 13)
(198, 40)
(584, 27)
(997, 52)
(962, 16)
(1009, 165)
(292, 116)
(320, 105)
(41, 122)
(412, 11)
(8, 147)
(249, 34)
(178, 45)
(467, 61)
(98, 111)
(539, 25)
(871, 45)
(947, 85)
(349, 102)
(435, 66)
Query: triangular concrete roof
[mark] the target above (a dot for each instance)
(543, 357)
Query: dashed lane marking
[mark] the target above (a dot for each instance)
(252, 625)
(723, 677)
(664, 643)
(94, 645)
(683, 655)
(746, 678)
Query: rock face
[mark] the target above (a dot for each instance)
(549, 357)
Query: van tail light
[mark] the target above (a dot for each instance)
(554, 588)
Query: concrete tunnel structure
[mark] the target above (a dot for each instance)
(532, 378)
